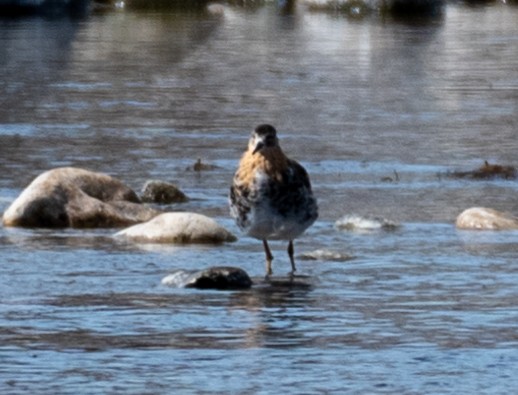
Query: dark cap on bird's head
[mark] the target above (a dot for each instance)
(265, 130)
(263, 136)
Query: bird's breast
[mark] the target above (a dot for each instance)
(258, 169)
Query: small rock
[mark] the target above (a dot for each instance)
(222, 278)
(390, 179)
(325, 255)
(482, 218)
(365, 224)
(200, 166)
(155, 191)
(178, 228)
(73, 197)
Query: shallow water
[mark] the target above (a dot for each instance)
(420, 309)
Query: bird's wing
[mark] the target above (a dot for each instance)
(297, 175)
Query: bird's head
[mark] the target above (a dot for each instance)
(263, 137)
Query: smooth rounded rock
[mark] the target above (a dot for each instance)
(73, 197)
(219, 277)
(178, 228)
(156, 191)
(483, 218)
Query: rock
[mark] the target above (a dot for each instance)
(365, 224)
(200, 166)
(179, 228)
(155, 191)
(414, 8)
(390, 179)
(73, 197)
(222, 277)
(325, 255)
(178, 278)
(482, 218)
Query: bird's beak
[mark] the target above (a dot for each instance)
(258, 147)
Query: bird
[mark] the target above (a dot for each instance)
(271, 196)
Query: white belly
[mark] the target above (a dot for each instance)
(266, 225)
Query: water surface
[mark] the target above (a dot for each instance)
(422, 309)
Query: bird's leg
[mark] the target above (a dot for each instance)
(269, 258)
(290, 254)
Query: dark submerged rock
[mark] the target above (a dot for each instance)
(218, 277)
(232, 278)
(161, 192)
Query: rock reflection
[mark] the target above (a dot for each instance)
(273, 314)
(281, 310)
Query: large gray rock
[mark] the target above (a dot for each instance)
(219, 277)
(482, 218)
(178, 228)
(227, 277)
(73, 197)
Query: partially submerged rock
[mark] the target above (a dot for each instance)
(233, 278)
(156, 191)
(482, 218)
(219, 277)
(200, 166)
(325, 255)
(73, 197)
(178, 228)
(486, 172)
(365, 224)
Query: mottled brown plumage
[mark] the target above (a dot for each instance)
(271, 196)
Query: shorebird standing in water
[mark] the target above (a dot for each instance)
(271, 196)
